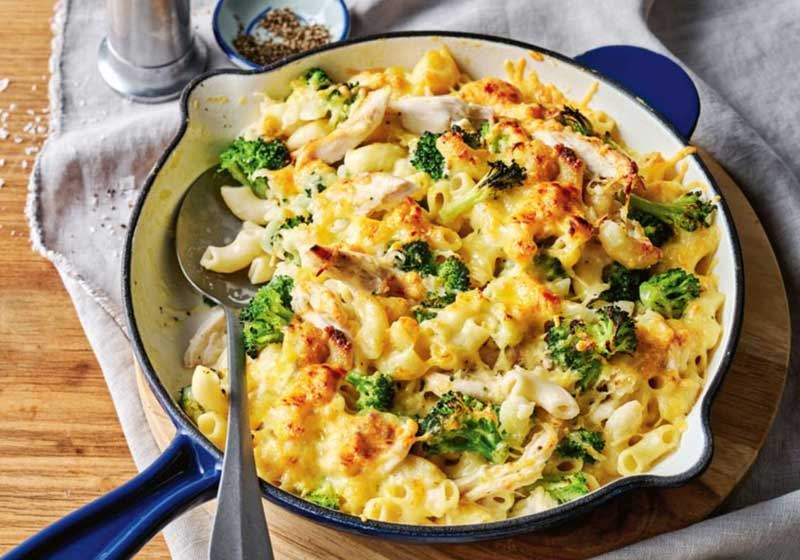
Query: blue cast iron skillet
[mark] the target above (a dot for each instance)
(187, 473)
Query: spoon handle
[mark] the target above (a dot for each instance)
(240, 529)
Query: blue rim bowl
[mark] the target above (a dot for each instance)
(229, 14)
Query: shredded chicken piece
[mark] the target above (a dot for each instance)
(609, 170)
(380, 191)
(208, 342)
(317, 305)
(436, 114)
(353, 268)
(362, 122)
(493, 479)
(601, 159)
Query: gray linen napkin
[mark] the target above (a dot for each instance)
(742, 55)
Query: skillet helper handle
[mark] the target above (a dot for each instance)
(658, 80)
(240, 528)
(121, 522)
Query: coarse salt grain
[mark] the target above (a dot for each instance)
(3, 134)
(17, 139)
(4, 84)
(2, 183)
(24, 164)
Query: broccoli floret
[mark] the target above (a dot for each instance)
(427, 156)
(495, 141)
(423, 314)
(623, 283)
(688, 212)
(438, 300)
(324, 496)
(455, 278)
(295, 221)
(579, 346)
(578, 444)
(339, 105)
(452, 272)
(266, 314)
(549, 267)
(613, 332)
(459, 423)
(244, 157)
(374, 391)
(564, 489)
(189, 404)
(471, 139)
(670, 292)
(501, 176)
(289, 223)
(570, 348)
(570, 116)
(455, 275)
(657, 232)
(416, 256)
(317, 78)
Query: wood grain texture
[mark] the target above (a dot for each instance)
(741, 416)
(61, 444)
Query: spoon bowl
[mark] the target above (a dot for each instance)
(203, 220)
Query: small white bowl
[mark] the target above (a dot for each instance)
(333, 14)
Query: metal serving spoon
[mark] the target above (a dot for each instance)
(240, 529)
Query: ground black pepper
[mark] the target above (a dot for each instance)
(287, 35)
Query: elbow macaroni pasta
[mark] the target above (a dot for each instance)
(358, 197)
(238, 254)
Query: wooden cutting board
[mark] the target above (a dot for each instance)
(741, 417)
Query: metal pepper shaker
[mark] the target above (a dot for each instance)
(150, 52)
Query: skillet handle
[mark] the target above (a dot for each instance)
(658, 80)
(121, 522)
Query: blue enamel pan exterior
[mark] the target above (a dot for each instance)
(653, 77)
(187, 474)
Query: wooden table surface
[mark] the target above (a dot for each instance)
(48, 465)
